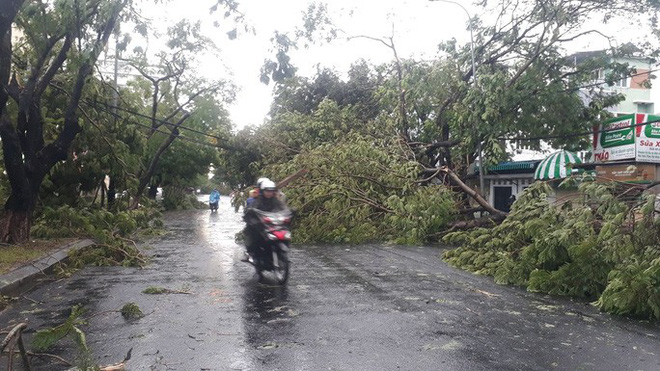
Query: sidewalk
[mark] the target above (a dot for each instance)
(25, 277)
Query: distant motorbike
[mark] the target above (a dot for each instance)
(272, 253)
(214, 200)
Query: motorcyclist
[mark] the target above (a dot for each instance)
(214, 198)
(267, 201)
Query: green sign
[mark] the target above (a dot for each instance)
(614, 139)
(617, 138)
(652, 130)
(624, 133)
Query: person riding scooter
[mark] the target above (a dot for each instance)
(266, 201)
(214, 200)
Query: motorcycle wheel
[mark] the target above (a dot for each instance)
(281, 266)
(261, 264)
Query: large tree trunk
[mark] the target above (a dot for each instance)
(112, 192)
(16, 221)
(27, 158)
(153, 191)
(15, 226)
(471, 192)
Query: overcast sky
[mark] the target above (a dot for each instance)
(419, 26)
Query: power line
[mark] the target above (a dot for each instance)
(96, 104)
(163, 122)
(605, 82)
(565, 136)
(179, 136)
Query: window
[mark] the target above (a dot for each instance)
(623, 83)
(598, 75)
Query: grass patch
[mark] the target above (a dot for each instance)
(14, 256)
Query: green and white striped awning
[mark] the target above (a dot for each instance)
(554, 166)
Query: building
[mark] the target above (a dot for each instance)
(623, 150)
(636, 89)
(508, 179)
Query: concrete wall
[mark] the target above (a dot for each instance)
(635, 89)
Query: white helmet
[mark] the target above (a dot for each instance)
(268, 185)
(261, 180)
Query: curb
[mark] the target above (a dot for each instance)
(20, 279)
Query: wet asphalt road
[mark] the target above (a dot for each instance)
(345, 308)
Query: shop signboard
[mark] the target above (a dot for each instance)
(615, 139)
(648, 138)
(629, 137)
(638, 173)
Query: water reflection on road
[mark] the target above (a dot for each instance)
(267, 315)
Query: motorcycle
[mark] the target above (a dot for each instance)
(214, 201)
(272, 252)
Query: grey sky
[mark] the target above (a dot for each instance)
(417, 25)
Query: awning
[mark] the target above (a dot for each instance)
(512, 167)
(555, 165)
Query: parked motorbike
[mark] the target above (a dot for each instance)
(272, 252)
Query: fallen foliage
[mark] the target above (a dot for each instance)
(155, 290)
(131, 311)
(109, 230)
(600, 246)
(362, 189)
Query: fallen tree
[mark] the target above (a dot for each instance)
(363, 189)
(602, 245)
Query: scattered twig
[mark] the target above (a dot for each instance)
(430, 177)
(121, 366)
(490, 295)
(47, 355)
(32, 300)
(15, 333)
(40, 270)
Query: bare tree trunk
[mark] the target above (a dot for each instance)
(15, 222)
(15, 226)
(153, 191)
(103, 192)
(283, 183)
(112, 192)
(471, 192)
(145, 177)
